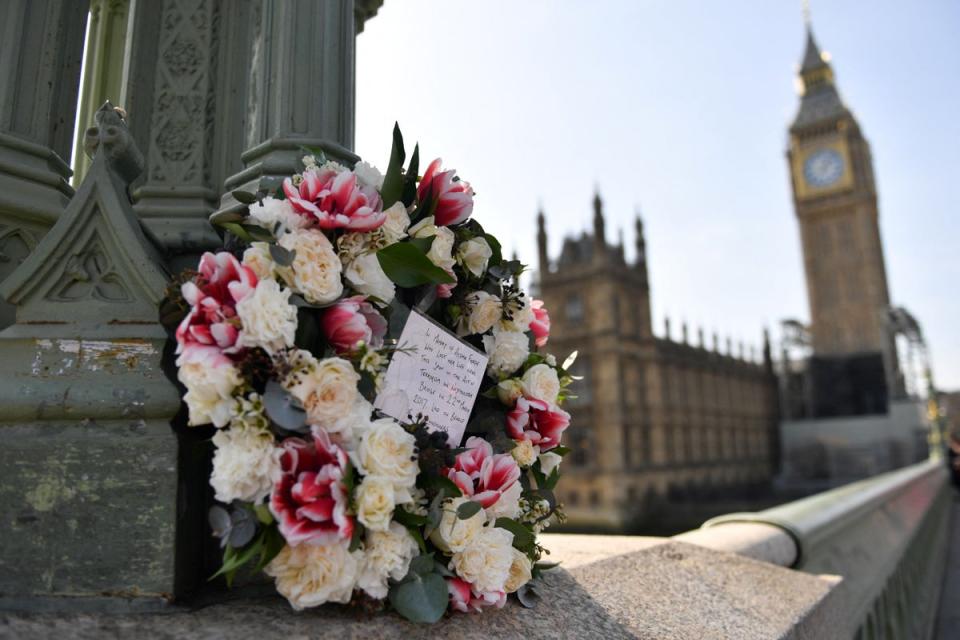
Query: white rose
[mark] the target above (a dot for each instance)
(520, 572)
(246, 464)
(454, 534)
(309, 575)
(474, 255)
(509, 390)
(387, 449)
(366, 276)
(269, 320)
(507, 505)
(485, 562)
(315, 271)
(374, 500)
(346, 429)
(507, 350)
(395, 227)
(258, 258)
(525, 453)
(274, 211)
(483, 311)
(541, 382)
(327, 389)
(210, 390)
(387, 554)
(521, 315)
(368, 175)
(549, 461)
(441, 249)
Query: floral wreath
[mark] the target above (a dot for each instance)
(283, 342)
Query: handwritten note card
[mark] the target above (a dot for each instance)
(436, 374)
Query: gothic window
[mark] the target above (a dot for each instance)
(573, 498)
(594, 498)
(574, 308)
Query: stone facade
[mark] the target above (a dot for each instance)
(654, 417)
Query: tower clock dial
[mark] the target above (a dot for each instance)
(823, 167)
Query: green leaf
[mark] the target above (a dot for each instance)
(244, 197)
(560, 450)
(423, 244)
(440, 484)
(233, 559)
(357, 537)
(263, 513)
(523, 538)
(551, 481)
(410, 178)
(236, 230)
(409, 267)
(392, 187)
(272, 545)
(283, 257)
(258, 233)
(407, 519)
(497, 251)
(421, 599)
(468, 509)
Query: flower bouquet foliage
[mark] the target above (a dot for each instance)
(284, 340)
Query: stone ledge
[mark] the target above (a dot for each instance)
(613, 587)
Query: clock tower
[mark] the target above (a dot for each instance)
(854, 360)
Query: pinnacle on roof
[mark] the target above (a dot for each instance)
(813, 58)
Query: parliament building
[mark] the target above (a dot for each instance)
(655, 418)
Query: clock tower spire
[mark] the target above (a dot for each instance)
(854, 365)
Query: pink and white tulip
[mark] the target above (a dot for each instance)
(482, 476)
(334, 200)
(465, 600)
(351, 320)
(538, 422)
(212, 321)
(453, 198)
(540, 326)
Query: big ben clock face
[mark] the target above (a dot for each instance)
(823, 168)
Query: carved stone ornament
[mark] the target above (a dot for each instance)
(95, 266)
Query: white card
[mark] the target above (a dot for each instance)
(437, 375)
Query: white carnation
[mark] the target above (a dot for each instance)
(269, 320)
(258, 258)
(327, 389)
(507, 505)
(374, 502)
(521, 571)
(507, 350)
(454, 534)
(368, 175)
(246, 464)
(483, 311)
(525, 453)
(441, 249)
(541, 382)
(394, 229)
(309, 575)
(474, 254)
(366, 276)
(386, 449)
(315, 271)
(387, 554)
(210, 391)
(274, 211)
(485, 562)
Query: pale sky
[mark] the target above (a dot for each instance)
(680, 108)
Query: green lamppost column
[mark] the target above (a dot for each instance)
(41, 44)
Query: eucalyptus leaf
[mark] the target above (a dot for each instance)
(422, 564)
(244, 527)
(244, 197)
(528, 596)
(220, 522)
(280, 407)
(422, 599)
(407, 266)
(468, 509)
(283, 257)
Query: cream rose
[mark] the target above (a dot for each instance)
(210, 389)
(374, 501)
(309, 575)
(387, 554)
(441, 249)
(454, 534)
(507, 350)
(273, 212)
(483, 311)
(327, 389)
(386, 449)
(508, 391)
(486, 560)
(525, 453)
(394, 229)
(269, 320)
(258, 258)
(366, 276)
(541, 382)
(315, 271)
(245, 465)
(474, 254)
(520, 572)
